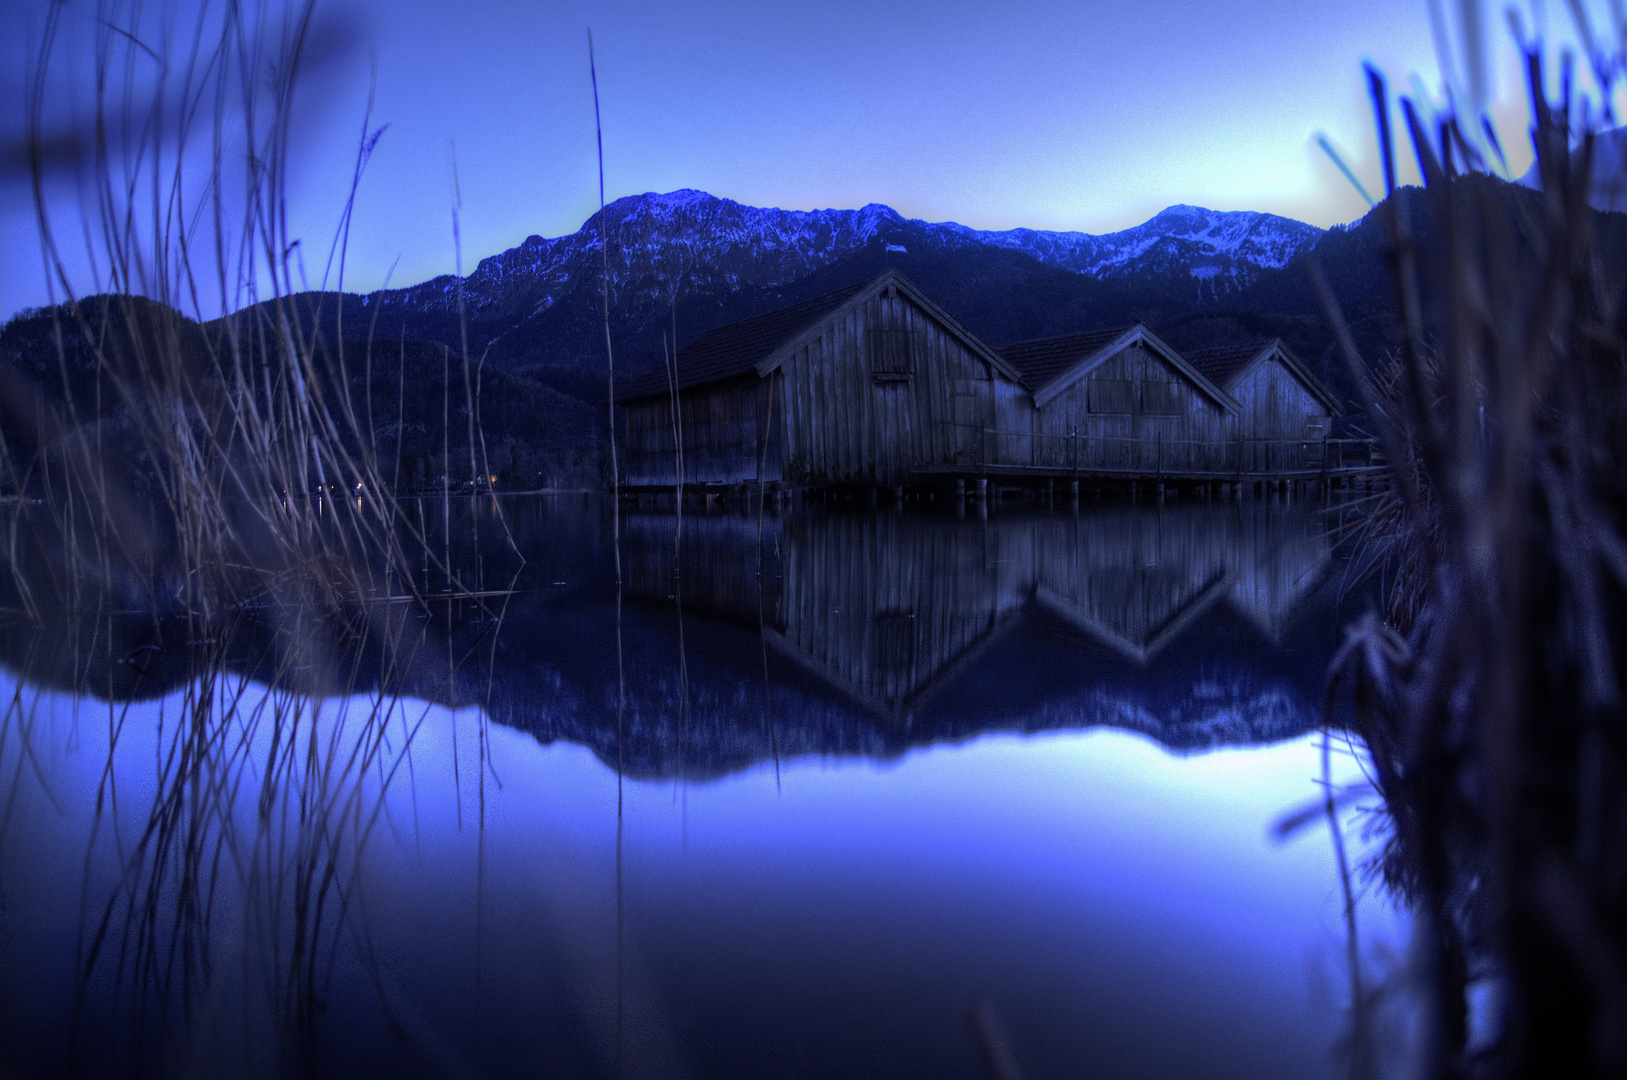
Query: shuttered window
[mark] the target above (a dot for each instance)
(1112, 396)
(1162, 398)
(893, 353)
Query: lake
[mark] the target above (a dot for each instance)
(920, 792)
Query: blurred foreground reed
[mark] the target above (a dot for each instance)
(1490, 692)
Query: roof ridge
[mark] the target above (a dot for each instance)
(734, 349)
(1113, 331)
(782, 312)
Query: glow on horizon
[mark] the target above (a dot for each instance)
(1038, 114)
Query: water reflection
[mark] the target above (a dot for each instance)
(1157, 619)
(342, 876)
(751, 637)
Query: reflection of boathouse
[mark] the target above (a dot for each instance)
(875, 384)
(886, 608)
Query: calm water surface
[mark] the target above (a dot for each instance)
(860, 774)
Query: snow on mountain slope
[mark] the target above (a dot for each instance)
(709, 244)
(1244, 240)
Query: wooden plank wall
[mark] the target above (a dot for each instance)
(726, 426)
(1200, 436)
(843, 424)
(1278, 407)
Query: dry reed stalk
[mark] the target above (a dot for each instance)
(265, 502)
(262, 465)
(1490, 696)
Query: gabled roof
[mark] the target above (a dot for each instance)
(733, 350)
(1051, 365)
(1041, 361)
(1225, 364)
(758, 344)
(1228, 365)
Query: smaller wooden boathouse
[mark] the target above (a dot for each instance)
(1117, 401)
(1285, 411)
(876, 385)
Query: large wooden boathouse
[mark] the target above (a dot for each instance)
(877, 385)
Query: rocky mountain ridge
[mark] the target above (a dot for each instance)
(687, 242)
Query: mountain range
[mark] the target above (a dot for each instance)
(685, 261)
(667, 245)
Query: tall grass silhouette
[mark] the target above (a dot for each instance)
(192, 473)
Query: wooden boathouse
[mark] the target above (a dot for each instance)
(866, 385)
(876, 385)
(1286, 412)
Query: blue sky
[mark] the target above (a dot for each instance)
(1052, 115)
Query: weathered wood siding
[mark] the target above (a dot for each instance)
(1134, 411)
(851, 414)
(1283, 424)
(883, 605)
(731, 434)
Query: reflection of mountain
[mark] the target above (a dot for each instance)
(824, 633)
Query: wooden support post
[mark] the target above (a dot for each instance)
(960, 488)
